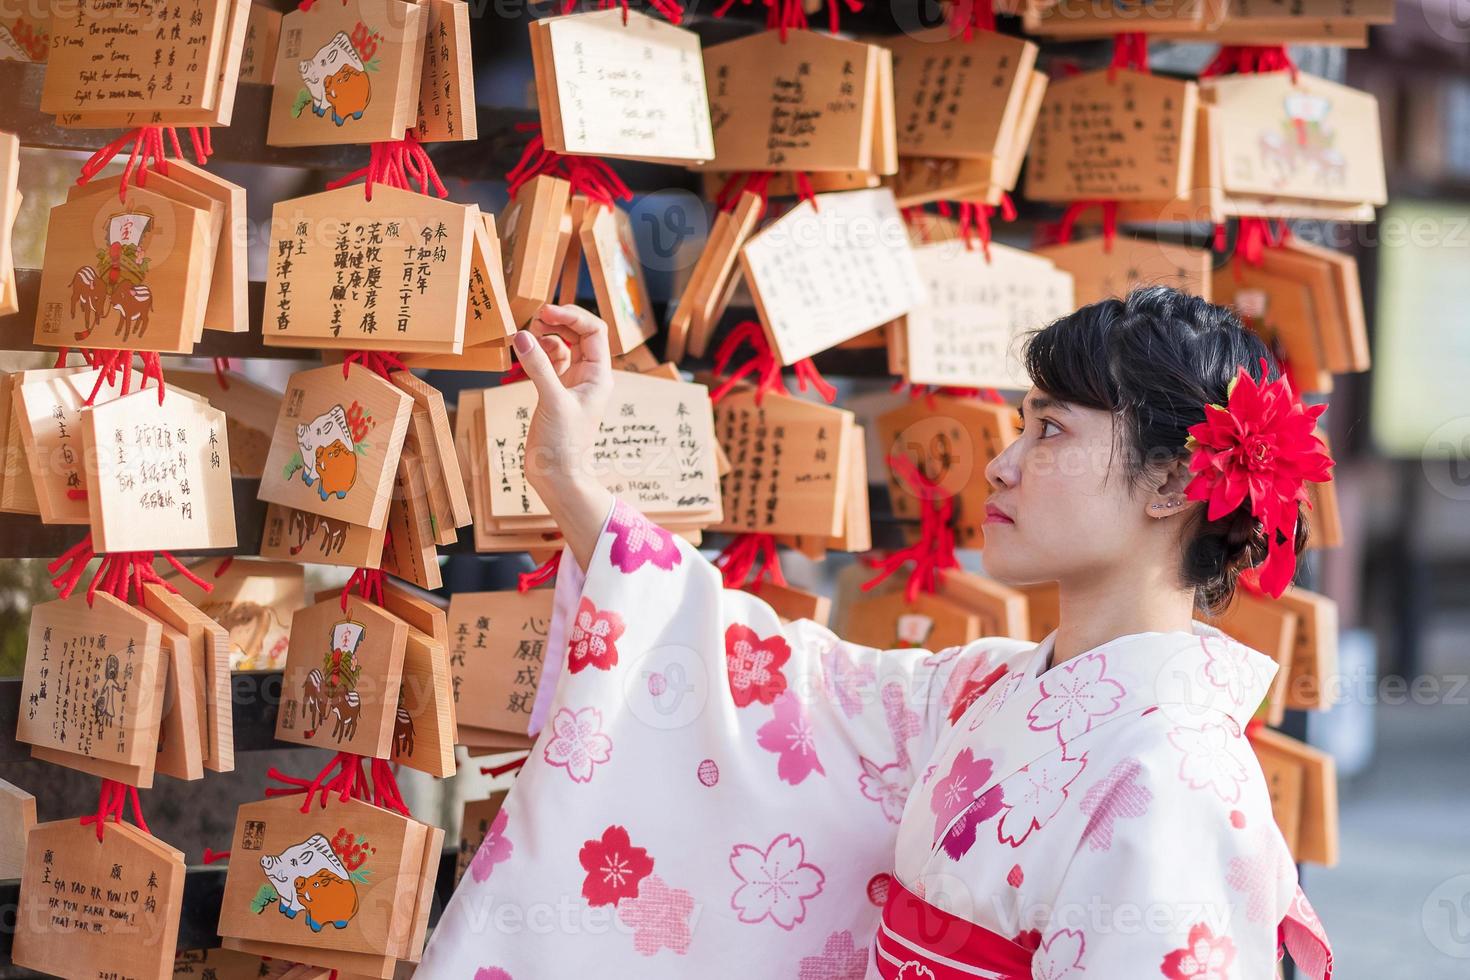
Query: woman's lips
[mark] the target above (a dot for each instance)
(994, 515)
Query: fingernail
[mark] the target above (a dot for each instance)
(523, 342)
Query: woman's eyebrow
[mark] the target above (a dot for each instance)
(1041, 403)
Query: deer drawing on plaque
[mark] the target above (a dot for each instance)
(329, 692)
(116, 282)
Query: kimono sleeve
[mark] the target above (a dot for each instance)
(651, 595)
(1193, 881)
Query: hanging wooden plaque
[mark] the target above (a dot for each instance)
(889, 621)
(300, 535)
(158, 476)
(109, 57)
(808, 101)
(1129, 139)
(132, 268)
(343, 674)
(446, 110)
(424, 721)
(210, 644)
(389, 274)
(966, 332)
(825, 272)
(1100, 271)
(497, 648)
(253, 601)
(181, 734)
(90, 907)
(17, 818)
(621, 84)
(617, 276)
(347, 73)
(262, 35)
(336, 445)
(529, 229)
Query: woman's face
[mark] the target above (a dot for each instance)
(1060, 505)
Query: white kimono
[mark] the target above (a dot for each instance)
(715, 793)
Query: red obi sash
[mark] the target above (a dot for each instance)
(915, 940)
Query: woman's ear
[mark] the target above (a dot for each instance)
(1168, 499)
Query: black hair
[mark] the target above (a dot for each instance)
(1154, 360)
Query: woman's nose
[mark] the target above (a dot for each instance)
(1002, 471)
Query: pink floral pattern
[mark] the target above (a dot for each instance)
(491, 973)
(754, 665)
(1001, 692)
(614, 867)
(903, 723)
(1073, 696)
(1034, 795)
(494, 849)
(958, 795)
(840, 959)
(884, 785)
(1059, 956)
(789, 735)
(1227, 666)
(1118, 794)
(658, 916)
(577, 743)
(594, 638)
(1205, 956)
(637, 541)
(850, 684)
(775, 883)
(1209, 761)
(968, 684)
(1258, 874)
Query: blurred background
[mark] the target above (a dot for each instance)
(1397, 905)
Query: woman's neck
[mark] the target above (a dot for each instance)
(1093, 614)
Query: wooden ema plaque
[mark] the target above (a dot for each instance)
(1283, 311)
(1101, 272)
(655, 449)
(617, 276)
(1130, 139)
(347, 73)
(1308, 138)
(123, 274)
(789, 460)
(253, 601)
(808, 102)
(344, 879)
(497, 648)
(210, 652)
(342, 679)
(823, 274)
(262, 35)
(966, 332)
(98, 908)
(387, 274)
(621, 85)
(446, 111)
(91, 685)
(158, 476)
(888, 621)
(958, 98)
(336, 445)
(144, 57)
(300, 535)
(529, 229)
(1310, 776)
(17, 818)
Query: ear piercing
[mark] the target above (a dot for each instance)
(1172, 503)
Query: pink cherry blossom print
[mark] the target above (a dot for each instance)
(850, 684)
(658, 916)
(1118, 794)
(968, 684)
(789, 734)
(614, 867)
(1204, 957)
(1228, 666)
(1059, 956)
(775, 882)
(903, 723)
(884, 785)
(961, 834)
(1015, 876)
(754, 665)
(491, 973)
(577, 743)
(1258, 875)
(878, 887)
(1002, 691)
(637, 540)
(1237, 819)
(708, 772)
(494, 849)
(966, 778)
(1034, 795)
(1209, 760)
(594, 638)
(840, 959)
(914, 970)
(1074, 696)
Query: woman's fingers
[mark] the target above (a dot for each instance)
(558, 352)
(539, 369)
(589, 331)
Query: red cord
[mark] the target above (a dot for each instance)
(544, 572)
(934, 551)
(1130, 50)
(748, 559)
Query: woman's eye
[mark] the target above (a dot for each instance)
(1049, 422)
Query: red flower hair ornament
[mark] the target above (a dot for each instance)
(1263, 444)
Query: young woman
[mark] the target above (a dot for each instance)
(718, 793)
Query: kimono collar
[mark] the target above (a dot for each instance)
(1220, 672)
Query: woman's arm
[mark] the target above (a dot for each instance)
(565, 353)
